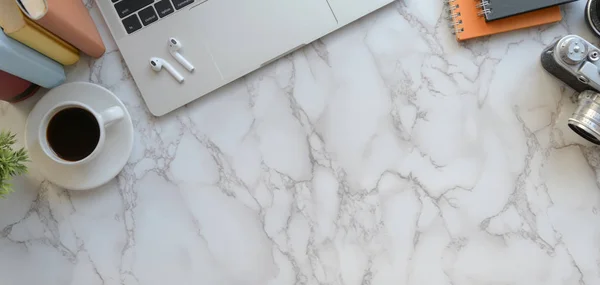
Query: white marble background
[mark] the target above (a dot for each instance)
(385, 153)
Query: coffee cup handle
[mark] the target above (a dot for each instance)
(112, 115)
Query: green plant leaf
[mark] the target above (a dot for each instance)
(11, 161)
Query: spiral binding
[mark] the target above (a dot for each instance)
(455, 20)
(485, 8)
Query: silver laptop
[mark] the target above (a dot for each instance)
(223, 39)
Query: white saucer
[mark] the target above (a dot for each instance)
(109, 162)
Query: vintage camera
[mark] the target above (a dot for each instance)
(576, 62)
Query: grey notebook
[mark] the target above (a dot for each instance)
(498, 9)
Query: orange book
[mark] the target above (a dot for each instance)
(67, 19)
(469, 23)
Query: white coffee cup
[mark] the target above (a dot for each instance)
(104, 119)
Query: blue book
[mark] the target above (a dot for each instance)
(22, 61)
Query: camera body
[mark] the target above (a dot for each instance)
(576, 62)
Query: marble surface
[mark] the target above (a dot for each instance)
(385, 153)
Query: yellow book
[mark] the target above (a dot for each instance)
(20, 28)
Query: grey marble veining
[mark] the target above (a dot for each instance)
(384, 153)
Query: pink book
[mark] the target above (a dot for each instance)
(15, 89)
(69, 20)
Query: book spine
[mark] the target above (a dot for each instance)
(24, 62)
(455, 18)
(484, 7)
(15, 89)
(37, 38)
(83, 36)
(30, 91)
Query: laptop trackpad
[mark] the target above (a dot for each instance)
(242, 35)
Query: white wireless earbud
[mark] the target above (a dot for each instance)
(174, 47)
(158, 63)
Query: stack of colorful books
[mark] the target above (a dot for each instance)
(40, 37)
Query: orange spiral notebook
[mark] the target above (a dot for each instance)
(469, 22)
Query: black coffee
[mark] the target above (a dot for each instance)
(73, 133)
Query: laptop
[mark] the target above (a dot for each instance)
(223, 39)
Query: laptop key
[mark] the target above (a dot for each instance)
(132, 24)
(148, 16)
(127, 7)
(164, 8)
(182, 3)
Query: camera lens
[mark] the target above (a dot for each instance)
(586, 119)
(592, 15)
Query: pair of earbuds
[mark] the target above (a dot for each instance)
(157, 64)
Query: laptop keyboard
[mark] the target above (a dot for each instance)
(136, 14)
